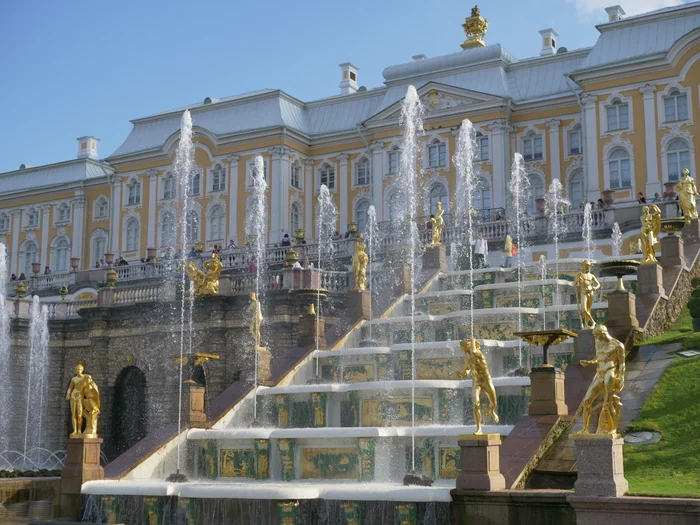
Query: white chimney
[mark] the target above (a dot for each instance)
(615, 13)
(348, 81)
(87, 147)
(549, 42)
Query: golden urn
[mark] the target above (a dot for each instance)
(21, 289)
(112, 277)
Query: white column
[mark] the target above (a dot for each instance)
(276, 196)
(590, 149)
(554, 154)
(284, 184)
(233, 198)
(79, 228)
(45, 213)
(16, 221)
(378, 179)
(653, 184)
(309, 190)
(115, 227)
(500, 162)
(343, 191)
(152, 199)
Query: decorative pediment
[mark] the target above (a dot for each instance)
(437, 100)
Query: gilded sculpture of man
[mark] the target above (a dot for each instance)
(609, 380)
(359, 265)
(687, 192)
(475, 365)
(586, 285)
(205, 282)
(438, 224)
(84, 398)
(256, 319)
(651, 226)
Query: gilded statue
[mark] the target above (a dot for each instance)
(609, 380)
(359, 265)
(438, 224)
(256, 319)
(84, 398)
(481, 380)
(205, 282)
(586, 285)
(475, 29)
(651, 226)
(687, 192)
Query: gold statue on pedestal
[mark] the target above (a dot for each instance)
(687, 192)
(475, 29)
(205, 282)
(256, 319)
(609, 380)
(438, 224)
(359, 265)
(481, 380)
(585, 285)
(84, 398)
(651, 226)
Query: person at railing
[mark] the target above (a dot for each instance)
(47, 270)
(231, 244)
(481, 250)
(22, 277)
(252, 267)
(656, 198)
(193, 253)
(286, 241)
(122, 262)
(599, 205)
(217, 249)
(641, 199)
(337, 236)
(13, 278)
(297, 266)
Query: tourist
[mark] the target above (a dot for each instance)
(297, 266)
(97, 264)
(122, 262)
(192, 254)
(656, 198)
(286, 241)
(103, 264)
(336, 236)
(13, 278)
(508, 252)
(216, 250)
(252, 267)
(481, 250)
(641, 199)
(600, 204)
(231, 245)
(22, 277)
(47, 270)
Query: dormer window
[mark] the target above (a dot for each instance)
(532, 146)
(675, 106)
(133, 192)
(437, 154)
(327, 176)
(618, 115)
(218, 178)
(362, 172)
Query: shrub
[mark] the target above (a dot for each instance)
(695, 282)
(694, 307)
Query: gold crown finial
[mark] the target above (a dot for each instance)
(475, 29)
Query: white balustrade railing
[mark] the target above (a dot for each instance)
(335, 282)
(52, 281)
(136, 294)
(74, 306)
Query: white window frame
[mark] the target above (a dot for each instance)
(394, 150)
(101, 200)
(63, 257)
(532, 205)
(609, 160)
(576, 129)
(135, 246)
(576, 173)
(28, 215)
(480, 138)
(196, 175)
(168, 180)
(432, 148)
(134, 184)
(162, 241)
(98, 254)
(662, 96)
(26, 266)
(220, 225)
(296, 175)
(62, 213)
(249, 172)
(218, 171)
(4, 222)
(331, 174)
(189, 238)
(531, 136)
(360, 162)
(666, 141)
(300, 218)
(356, 215)
(445, 196)
(478, 195)
(603, 115)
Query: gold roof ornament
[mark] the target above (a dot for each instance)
(475, 29)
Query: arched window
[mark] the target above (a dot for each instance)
(101, 208)
(361, 215)
(618, 115)
(532, 146)
(394, 160)
(133, 192)
(31, 255)
(61, 256)
(217, 224)
(168, 187)
(362, 172)
(98, 249)
(167, 230)
(675, 106)
(132, 235)
(195, 181)
(536, 191)
(294, 218)
(678, 158)
(296, 175)
(218, 178)
(327, 176)
(620, 172)
(482, 147)
(437, 154)
(575, 140)
(482, 195)
(192, 227)
(4, 222)
(576, 190)
(438, 193)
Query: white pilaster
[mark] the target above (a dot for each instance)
(44, 256)
(233, 199)
(590, 150)
(285, 183)
(152, 198)
(501, 161)
(554, 154)
(16, 222)
(115, 227)
(309, 190)
(78, 228)
(653, 184)
(378, 179)
(277, 194)
(343, 190)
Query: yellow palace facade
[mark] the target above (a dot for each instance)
(618, 115)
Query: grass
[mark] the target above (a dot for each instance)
(670, 467)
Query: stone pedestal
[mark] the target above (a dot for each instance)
(672, 251)
(547, 392)
(691, 232)
(197, 418)
(82, 464)
(359, 302)
(308, 330)
(435, 258)
(600, 467)
(622, 314)
(104, 296)
(650, 279)
(480, 462)
(263, 364)
(584, 345)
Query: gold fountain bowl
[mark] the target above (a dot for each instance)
(672, 225)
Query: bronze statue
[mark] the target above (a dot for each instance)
(256, 319)
(84, 398)
(205, 282)
(609, 380)
(481, 380)
(586, 284)
(359, 265)
(687, 192)
(438, 224)
(651, 226)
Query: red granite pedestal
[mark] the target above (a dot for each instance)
(480, 462)
(82, 465)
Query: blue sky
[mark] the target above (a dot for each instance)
(73, 68)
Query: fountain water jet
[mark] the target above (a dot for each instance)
(556, 204)
(616, 240)
(327, 219)
(588, 231)
(543, 276)
(372, 232)
(37, 375)
(6, 399)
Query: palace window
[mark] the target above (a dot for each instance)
(620, 172)
(167, 230)
(576, 189)
(437, 154)
(101, 208)
(4, 222)
(133, 192)
(327, 176)
(294, 218)
(575, 141)
(532, 146)
(62, 256)
(217, 224)
(63, 213)
(195, 183)
(98, 249)
(395, 208)
(251, 171)
(218, 178)
(32, 217)
(394, 160)
(618, 115)
(296, 175)
(482, 195)
(132, 235)
(362, 172)
(536, 191)
(361, 215)
(168, 187)
(678, 158)
(675, 106)
(482, 147)
(438, 193)
(192, 227)
(31, 255)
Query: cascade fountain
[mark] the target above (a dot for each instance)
(543, 277)
(555, 204)
(327, 220)
(588, 231)
(37, 376)
(372, 234)
(616, 240)
(6, 398)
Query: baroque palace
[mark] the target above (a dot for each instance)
(618, 115)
